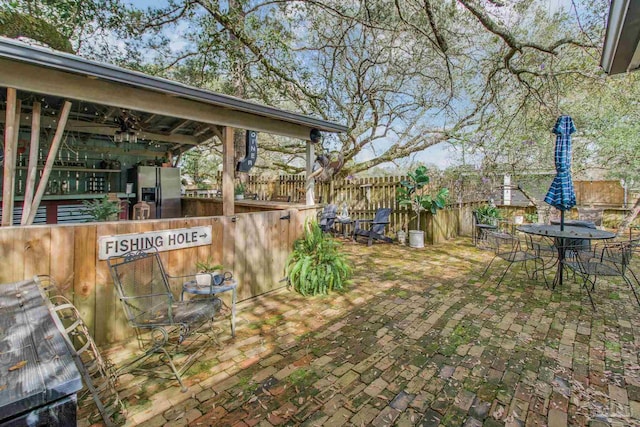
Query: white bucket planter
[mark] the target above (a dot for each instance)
(207, 279)
(203, 279)
(416, 238)
(239, 196)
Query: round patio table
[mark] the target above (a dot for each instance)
(561, 236)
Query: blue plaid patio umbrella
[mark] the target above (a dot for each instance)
(561, 194)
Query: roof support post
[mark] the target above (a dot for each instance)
(10, 146)
(310, 184)
(32, 169)
(51, 158)
(227, 171)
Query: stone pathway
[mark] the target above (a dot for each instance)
(420, 339)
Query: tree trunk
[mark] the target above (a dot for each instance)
(238, 73)
(626, 222)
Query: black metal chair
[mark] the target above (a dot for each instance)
(606, 259)
(376, 227)
(480, 228)
(509, 248)
(164, 327)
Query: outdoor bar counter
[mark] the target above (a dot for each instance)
(63, 208)
(201, 206)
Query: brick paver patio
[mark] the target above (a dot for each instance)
(418, 340)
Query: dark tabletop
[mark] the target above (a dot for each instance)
(35, 365)
(576, 222)
(569, 232)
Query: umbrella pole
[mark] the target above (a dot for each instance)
(562, 220)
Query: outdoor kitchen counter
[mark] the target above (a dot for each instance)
(76, 196)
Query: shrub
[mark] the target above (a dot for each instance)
(317, 266)
(102, 209)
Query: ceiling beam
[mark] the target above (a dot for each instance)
(179, 126)
(98, 129)
(48, 81)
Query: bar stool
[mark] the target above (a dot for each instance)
(141, 210)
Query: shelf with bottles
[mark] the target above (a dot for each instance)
(74, 162)
(75, 169)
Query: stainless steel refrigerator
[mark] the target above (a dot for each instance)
(160, 187)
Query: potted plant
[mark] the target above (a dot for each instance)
(531, 217)
(412, 193)
(208, 271)
(102, 209)
(316, 264)
(488, 214)
(239, 191)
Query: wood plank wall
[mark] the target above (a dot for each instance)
(68, 253)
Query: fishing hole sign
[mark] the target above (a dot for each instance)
(163, 240)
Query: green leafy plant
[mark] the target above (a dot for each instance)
(102, 209)
(317, 266)
(531, 217)
(488, 214)
(412, 193)
(208, 266)
(239, 189)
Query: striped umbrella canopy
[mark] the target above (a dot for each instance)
(561, 194)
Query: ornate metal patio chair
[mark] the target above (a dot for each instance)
(98, 373)
(164, 327)
(605, 259)
(481, 227)
(509, 248)
(375, 231)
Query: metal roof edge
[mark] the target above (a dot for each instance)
(44, 57)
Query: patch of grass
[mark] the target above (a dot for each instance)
(202, 366)
(461, 334)
(614, 296)
(255, 325)
(389, 275)
(247, 385)
(612, 346)
(303, 377)
(274, 320)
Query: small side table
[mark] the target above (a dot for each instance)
(192, 287)
(344, 221)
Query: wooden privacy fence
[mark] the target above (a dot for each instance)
(68, 253)
(599, 193)
(362, 196)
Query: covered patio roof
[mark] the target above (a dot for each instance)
(621, 52)
(110, 101)
(193, 112)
